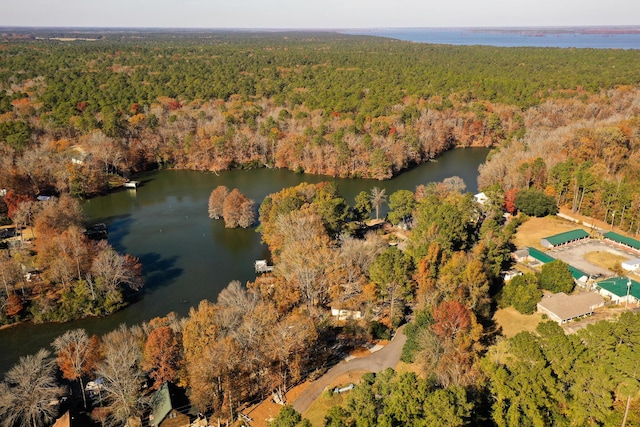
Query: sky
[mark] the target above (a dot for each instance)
(317, 14)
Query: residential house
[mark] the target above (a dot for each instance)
(166, 406)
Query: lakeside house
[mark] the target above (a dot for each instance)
(481, 198)
(261, 266)
(164, 412)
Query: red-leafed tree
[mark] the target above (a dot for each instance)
(13, 200)
(450, 318)
(510, 200)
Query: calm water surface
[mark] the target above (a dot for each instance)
(531, 37)
(188, 257)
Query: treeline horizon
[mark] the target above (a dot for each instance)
(321, 103)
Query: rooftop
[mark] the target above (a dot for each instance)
(566, 237)
(612, 235)
(540, 256)
(568, 307)
(618, 286)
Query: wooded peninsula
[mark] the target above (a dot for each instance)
(81, 113)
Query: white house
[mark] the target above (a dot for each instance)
(632, 264)
(342, 314)
(481, 198)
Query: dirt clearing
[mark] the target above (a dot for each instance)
(513, 322)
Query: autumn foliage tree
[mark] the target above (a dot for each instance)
(233, 206)
(238, 210)
(162, 355)
(77, 354)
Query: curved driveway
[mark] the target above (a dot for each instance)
(387, 357)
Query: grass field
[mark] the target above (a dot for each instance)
(605, 259)
(533, 230)
(513, 322)
(321, 405)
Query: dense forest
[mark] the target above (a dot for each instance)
(78, 117)
(320, 103)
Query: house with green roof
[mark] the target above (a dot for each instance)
(163, 408)
(564, 238)
(619, 289)
(622, 241)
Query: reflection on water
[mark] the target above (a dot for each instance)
(188, 257)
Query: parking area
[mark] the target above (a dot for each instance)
(574, 255)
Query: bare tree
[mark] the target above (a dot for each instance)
(216, 201)
(29, 391)
(115, 270)
(10, 272)
(121, 374)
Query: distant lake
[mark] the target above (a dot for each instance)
(599, 38)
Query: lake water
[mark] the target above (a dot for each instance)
(188, 257)
(601, 38)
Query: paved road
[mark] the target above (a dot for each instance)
(388, 357)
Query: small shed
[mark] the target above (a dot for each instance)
(563, 308)
(564, 238)
(632, 264)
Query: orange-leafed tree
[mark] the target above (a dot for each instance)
(77, 355)
(237, 210)
(162, 356)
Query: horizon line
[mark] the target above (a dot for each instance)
(372, 28)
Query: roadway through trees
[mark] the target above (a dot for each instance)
(387, 357)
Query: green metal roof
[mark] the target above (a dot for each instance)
(618, 286)
(567, 236)
(612, 235)
(544, 258)
(160, 404)
(577, 274)
(540, 256)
